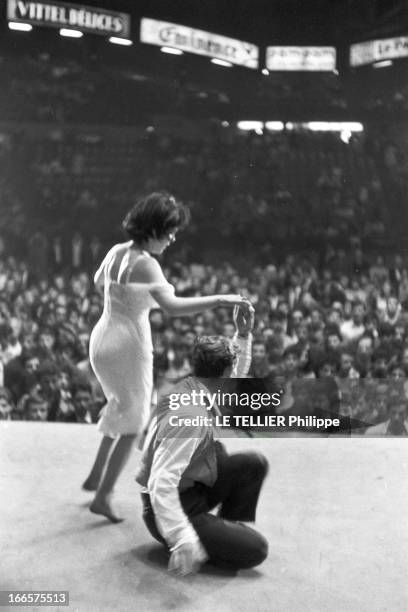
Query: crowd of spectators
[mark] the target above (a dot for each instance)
(292, 189)
(343, 319)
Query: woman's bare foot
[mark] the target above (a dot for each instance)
(89, 485)
(103, 507)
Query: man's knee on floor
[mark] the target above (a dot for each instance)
(256, 552)
(258, 463)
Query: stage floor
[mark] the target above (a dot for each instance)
(334, 512)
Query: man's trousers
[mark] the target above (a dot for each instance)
(228, 542)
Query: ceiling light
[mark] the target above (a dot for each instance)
(276, 126)
(220, 62)
(171, 51)
(71, 33)
(383, 64)
(20, 27)
(250, 125)
(115, 40)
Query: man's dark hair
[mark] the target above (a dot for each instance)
(28, 354)
(47, 368)
(333, 330)
(292, 350)
(211, 355)
(328, 359)
(380, 353)
(277, 316)
(385, 329)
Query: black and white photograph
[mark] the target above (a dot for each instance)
(204, 305)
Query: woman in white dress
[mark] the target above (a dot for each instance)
(121, 350)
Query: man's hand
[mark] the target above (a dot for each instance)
(244, 319)
(187, 558)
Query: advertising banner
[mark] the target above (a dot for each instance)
(301, 58)
(378, 50)
(191, 40)
(65, 15)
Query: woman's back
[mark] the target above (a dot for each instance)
(123, 267)
(121, 348)
(127, 291)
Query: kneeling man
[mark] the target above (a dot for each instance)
(186, 472)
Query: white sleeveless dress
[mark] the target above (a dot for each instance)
(121, 353)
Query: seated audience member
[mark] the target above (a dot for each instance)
(396, 372)
(279, 340)
(377, 407)
(85, 409)
(259, 363)
(64, 402)
(380, 363)
(346, 366)
(48, 379)
(46, 343)
(7, 412)
(36, 408)
(228, 330)
(86, 370)
(333, 341)
(65, 410)
(327, 368)
(396, 424)
(354, 328)
(20, 373)
(10, 346)
(392, 311)
(291, 358)
(364, 353)
(179, 364)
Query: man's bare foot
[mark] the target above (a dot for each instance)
(89, 485)
(103, 508)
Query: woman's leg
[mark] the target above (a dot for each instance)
(116, 462)
(95, 475)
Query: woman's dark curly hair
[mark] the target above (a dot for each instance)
(154, 216)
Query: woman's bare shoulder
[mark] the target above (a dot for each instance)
(147, 270)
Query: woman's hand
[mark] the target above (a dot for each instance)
(187, 558)
(236, 300)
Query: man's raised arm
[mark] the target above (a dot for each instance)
(244, 323)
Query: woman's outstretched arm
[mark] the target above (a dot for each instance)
(149, 271)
